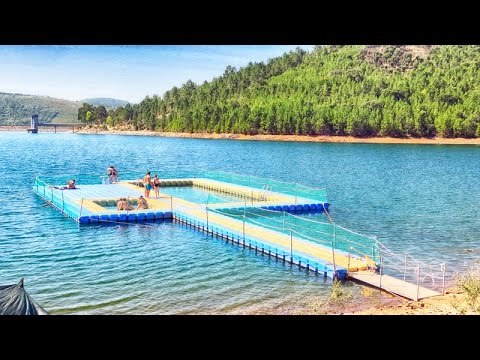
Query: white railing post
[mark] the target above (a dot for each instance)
(349, 255)
(334, 236)
(206, 211)
(333, 258)
(81, 208)
(417, 270)
(442, 267)
(291, 245)
(381, 271)
(405, 269)
(244, 230)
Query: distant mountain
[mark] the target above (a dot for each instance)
(17, 109)
(109, 103)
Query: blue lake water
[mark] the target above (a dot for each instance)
(419, 198)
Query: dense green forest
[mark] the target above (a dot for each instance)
(17, 109)
(419, 91)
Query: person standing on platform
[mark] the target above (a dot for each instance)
(156, 186)
(112, 174)
(147, 183)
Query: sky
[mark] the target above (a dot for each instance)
(122, 72)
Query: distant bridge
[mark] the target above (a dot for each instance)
(35, 125)
(55, 125)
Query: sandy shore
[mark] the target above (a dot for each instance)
(299, 138)
(375, 302)
(448, 304)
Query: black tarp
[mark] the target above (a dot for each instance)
(14, 300)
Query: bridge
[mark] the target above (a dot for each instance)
(35, 125)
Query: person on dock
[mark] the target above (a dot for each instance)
(156, 186)
(120, 204)
(112, 174)
(71, 184)
(126, 205)
(147, 183)
(142, 203)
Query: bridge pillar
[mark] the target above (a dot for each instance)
(34, 124)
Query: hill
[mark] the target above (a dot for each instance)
(109, 103)
(362, 91)
(17, 109)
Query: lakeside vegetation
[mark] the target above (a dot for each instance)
(362, 91)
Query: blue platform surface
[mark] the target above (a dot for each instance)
(101, 191)
(96, 204)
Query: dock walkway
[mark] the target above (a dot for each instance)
(393, 285)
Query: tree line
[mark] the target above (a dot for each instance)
(332, 90)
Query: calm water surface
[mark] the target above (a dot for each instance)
(419, 198)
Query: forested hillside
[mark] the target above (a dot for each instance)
(17, 109)
(419, 91)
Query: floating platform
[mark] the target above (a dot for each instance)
(190, 201)
(97, 203)
(232, 211)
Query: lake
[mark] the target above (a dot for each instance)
(423, 199)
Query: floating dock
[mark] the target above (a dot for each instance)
(263, 220)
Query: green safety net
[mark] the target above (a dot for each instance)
(325, 233)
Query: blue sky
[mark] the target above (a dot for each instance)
(123, 72)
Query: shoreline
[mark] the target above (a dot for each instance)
(284, 138)
(289, 138)
(376, 302)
